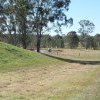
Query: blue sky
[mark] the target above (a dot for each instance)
(84, 9)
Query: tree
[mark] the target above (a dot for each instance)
(58, 41)
(34, 16)
(86, 27)
(3, 17)
(8, 23)
(46, 41)
(46, 12)
(72, 40)
(89, 42)
(97, 40)
(21, 10)
(14, 15)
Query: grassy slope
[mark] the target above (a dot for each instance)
(12, 57)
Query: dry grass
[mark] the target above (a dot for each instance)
(80, 54)
(59, 82)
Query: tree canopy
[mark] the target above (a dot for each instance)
(86, 27)
(72, 40)
(33, 16)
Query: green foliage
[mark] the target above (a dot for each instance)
(97, 40)
(58, 41)
(28, 16)
(88, 42)
(72, 40)
(86, 27)
(46, 41)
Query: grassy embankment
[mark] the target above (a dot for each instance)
(12, 57)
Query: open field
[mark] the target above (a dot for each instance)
(78, 54)
(50, 78)
(58, 82)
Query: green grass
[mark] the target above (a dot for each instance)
(12, 57)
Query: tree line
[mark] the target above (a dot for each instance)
(24, 22)
(71, 40)
(21, 18)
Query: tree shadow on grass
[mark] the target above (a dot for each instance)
(74, 61)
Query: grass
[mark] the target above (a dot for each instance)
(79, 54)
(12, 57)
(39, 77)
(73, 82)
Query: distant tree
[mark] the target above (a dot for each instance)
(86, 27)
(72, 40)
(97, 40)
(58, 41)
(89, 42)
(46, 41)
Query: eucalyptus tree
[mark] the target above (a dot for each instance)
(7, 20)
(72, 40)
(46, 41)
(97, 40)
(86, 27)
(89, 42)
(21, 9)
(2, 16)
(58, 41)
(48, 13)
(14, 20)
(35, 16)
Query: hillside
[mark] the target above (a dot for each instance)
(12, 57)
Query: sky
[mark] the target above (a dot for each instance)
(83, 9)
